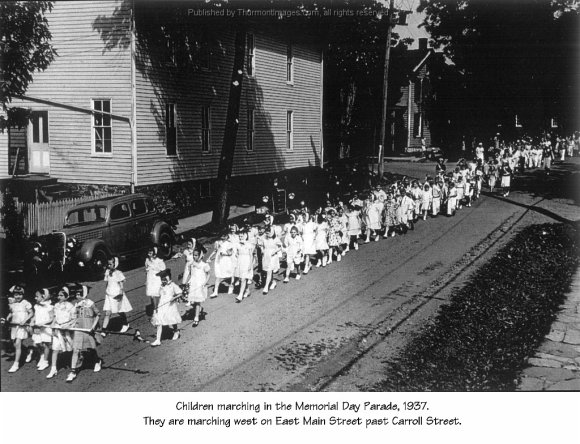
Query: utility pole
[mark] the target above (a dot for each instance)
(385, 89)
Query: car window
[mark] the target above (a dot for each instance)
(86, 215)
(150, 206)
(120, 211)
(138, 207)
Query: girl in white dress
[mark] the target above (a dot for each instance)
(345, 238)
(41, 331)
(85, 341)
(416, 194)
(373, 218)
(244, 252)
(20, 313)
(294, 247)
(188, 257)
(115, 298)
(197, 284)
(166, 310)
(308, 237)
(451, 200)
(153, 265)
(234, 238)
(271, 247)
(460, 190)
(321, 240)
(223, 264)
(353, 225)
(64, 317)
(426, 200)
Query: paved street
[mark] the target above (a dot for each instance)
(319, 333)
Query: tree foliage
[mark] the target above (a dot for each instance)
(515, 57)
(25, 48)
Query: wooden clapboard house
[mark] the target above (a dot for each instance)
(118, 107)
(410, 123)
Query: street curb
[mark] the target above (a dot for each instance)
(555, 365)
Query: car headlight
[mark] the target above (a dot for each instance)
(265, 199)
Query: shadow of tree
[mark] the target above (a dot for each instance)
(563, 182)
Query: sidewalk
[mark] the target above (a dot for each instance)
(193, 222)
(197, 225)
(556, 364)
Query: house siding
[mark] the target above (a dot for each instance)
(84, 69)
(5, 172)
(414, 143)
(267, 92)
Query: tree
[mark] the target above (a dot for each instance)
(25, 48)
(517, 58)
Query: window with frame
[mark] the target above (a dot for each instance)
(251, 62)
(170, 130)
(120, 211)
(289, 130)
(289, 64)
(250, 130)
(39, 126)
(139, 208)
(206, 129)
(102, 127)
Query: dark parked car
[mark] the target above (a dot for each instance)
(114, 226)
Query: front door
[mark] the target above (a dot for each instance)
(39, 158)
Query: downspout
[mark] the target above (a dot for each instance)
(321, 109)
(409, 112)
(133, 104)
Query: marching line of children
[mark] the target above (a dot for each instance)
(309, 240)
(70, 325)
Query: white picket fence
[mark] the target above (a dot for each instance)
(43, 218)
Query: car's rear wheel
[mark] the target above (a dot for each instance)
(165, 245)
(98, 263)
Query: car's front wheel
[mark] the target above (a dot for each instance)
(165, 245)
(97, 264)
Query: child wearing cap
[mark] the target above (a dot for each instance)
(188, 256)
(223, 263)
(244, 252)
(64, 317)
(84, 338)
(41, 331)
(294, 247)
(271, 247)
(197, 283)
(115, 299)
(20, 313)
(153, 265)
(426, 198)
(166, 309)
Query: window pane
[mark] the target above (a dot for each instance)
(99, 140)
(108, 147)
(44, 126)
(98, 119)
(106, 120)
(97, 105)
(107, 106)
(120, 211)
(35, 132)
(138, 207)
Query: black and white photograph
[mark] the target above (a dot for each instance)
(290, 196)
